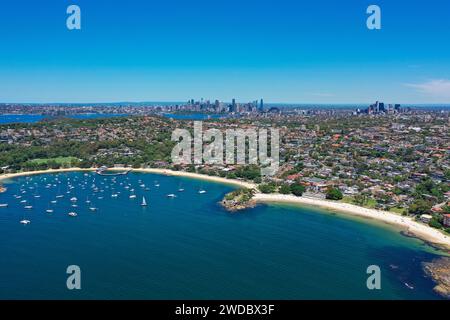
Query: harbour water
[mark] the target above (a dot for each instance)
(189, 247)
(34, 118)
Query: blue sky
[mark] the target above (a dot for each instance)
(289, 51)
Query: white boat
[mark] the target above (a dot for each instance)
(144, 202)
(60, 196)
(25, 222)
(74, 199)
(114, 196)
(3, 205)
(72, 214)
(53, 201)
(23, 201)
(181, 190)
(28, 207)
(49, 210)
(409, 286)
(133, 196)
(93, 209)
(201, 191)
(171, 195)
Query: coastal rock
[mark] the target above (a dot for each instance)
(234, 206)
(439, 271)
(239, 200)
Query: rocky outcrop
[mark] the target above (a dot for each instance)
(239, 200)
(439, 271)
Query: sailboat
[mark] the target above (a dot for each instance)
(144, 202)
(24, 221)
(49, 210)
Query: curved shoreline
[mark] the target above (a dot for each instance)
(165, 172)
(420, 231)
(408, 224)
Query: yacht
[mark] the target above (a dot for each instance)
(72, 214)
(28, 207)
(49, 210)
(25, 222)
(201, 191)
(133, 196)
(3, 205)
(74, 199)
(144, 202)
(171, 195)
(93, 209)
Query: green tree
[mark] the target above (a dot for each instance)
(285, 189)
(334, 194)
(297, 189)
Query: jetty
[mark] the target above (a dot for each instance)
(101, 171)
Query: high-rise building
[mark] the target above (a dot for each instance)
(261, 106)
(217, 106)
(233, 106)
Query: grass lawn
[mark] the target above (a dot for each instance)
(58, 160)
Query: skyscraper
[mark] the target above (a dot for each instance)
(217, 106)
(261, 106)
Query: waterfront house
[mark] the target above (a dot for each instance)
(426, 218)
(446, 221)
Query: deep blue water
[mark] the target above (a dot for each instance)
(33, 118)
(20, 118)
(189, 247)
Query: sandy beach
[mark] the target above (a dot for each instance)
(405, 223)
(167, 172)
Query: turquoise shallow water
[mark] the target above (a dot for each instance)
(188, 247)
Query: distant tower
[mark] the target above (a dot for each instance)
(233, 106)
(261, 106)
(217, 106)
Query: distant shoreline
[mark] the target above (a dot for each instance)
(421, 231)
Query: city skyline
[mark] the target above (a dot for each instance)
(287, 52)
